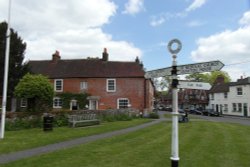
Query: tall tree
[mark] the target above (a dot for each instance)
(208, 77)
(17, 68)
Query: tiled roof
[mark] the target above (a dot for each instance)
(86, 68)
(220, 88)
(245, 81)
(224, 87)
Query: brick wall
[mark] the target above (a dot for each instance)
(131, 88)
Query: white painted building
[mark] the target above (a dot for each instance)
(231, 98)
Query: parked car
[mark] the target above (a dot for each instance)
(160, 108)
(195, 111)
(210, 112)
(164, 108)
(168, 109)
(181, 111)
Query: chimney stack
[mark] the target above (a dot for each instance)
(105, 55)
(219, 80)
(56, 56)
(137, 60)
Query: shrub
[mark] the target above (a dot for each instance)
(153, 115)
(116, 115)
(26, 121)
(23, 123)
(60, 120)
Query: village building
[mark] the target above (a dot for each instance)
(188, 99)
(193, 99)
(110, 84)
(231, 98)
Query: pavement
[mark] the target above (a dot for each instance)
(6, 158)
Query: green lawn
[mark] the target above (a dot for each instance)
(202, 144)
(24, 139)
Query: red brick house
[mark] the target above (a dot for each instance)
(188, 98)
(111, 84)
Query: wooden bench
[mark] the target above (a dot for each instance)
(83, 120)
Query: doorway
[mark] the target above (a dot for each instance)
(245, 107)
(93, 104)
(73, 105)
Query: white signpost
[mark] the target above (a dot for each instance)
(194, 85)
(187, 69)
(174, 71)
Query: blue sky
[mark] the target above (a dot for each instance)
(208, 29)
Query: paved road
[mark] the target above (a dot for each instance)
(5, 158)
(229, 119)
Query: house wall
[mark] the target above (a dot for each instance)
(244, 99)
(219, 101)
(149, 95)
(131, 88)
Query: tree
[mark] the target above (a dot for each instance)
(208, 77)
(38, 90)
(17, 69)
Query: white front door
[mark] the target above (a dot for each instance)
(93, 104)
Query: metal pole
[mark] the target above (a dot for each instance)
(175, 138)
(6, 71)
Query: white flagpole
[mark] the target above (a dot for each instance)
(6, 71)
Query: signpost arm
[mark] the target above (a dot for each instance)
(175, 141)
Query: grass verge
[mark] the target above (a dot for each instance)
(30, 138)
(202, 143)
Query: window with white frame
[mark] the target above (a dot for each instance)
(58, 85)
(23, 102)
(239, 91)
(225, 95)
(122, 103)
(57, 102)
(212, 96)
(111, 85)
(225, 108)
(234, 107)
(239, 107)
(83, 85)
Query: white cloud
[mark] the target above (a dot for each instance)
(195, 23)
(72, 27)
(228, 46)
(160, 19)
(196, 4)
(134, 6)
(245, 20)
(157, 21)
